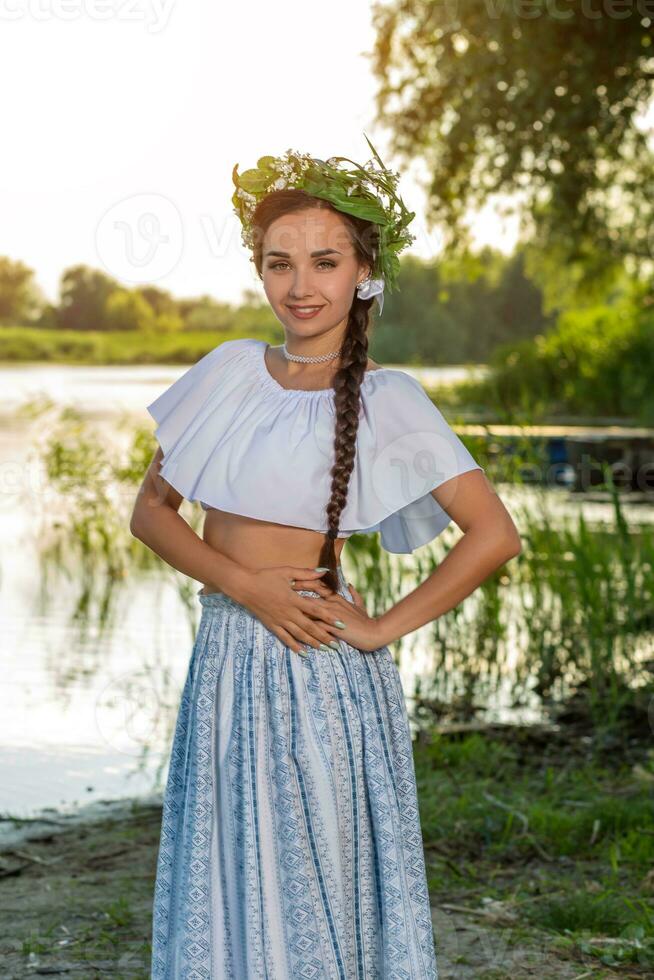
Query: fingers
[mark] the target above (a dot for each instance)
(298, 572)
(290, 641)
(314, 631)
(358, 598)
(325, 591)
(313, 637)
(314, 584)
(326, 610)
(294, 637)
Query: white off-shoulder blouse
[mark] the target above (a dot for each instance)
(233, 438)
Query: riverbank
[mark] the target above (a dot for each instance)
(539, 863)
(32, 345)
(77, 897)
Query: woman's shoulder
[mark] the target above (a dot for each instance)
(232, 346)
(223, 353)
(398, 403)
(199, 385)
(401, 382)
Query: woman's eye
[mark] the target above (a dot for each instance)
(330, 265)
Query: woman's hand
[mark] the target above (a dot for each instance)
(295, 619)
(360, 630)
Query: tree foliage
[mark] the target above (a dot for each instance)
(457, 310)
(596, 361)
(538, 103)
(84, 296)
(20, 298)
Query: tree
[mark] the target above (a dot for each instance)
(21, 301)
(536, 100)
(455, 310)
(128, 310)
(84, 294)
(160, 300)
(206, 313)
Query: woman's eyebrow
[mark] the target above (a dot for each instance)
(321, 251)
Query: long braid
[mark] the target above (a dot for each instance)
(347, 401)
(354, 353)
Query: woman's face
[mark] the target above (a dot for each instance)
(308, 261)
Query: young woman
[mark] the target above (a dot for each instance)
(290, 841)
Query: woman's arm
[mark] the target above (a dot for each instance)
(157, 523)
(490, 539)
(265, 592)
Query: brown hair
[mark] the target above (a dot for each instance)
(353, 357)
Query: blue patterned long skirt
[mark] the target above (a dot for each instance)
(290, 846)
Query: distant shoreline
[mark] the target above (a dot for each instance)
(38, 345)
(35, 345)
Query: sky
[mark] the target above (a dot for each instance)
(122, 121)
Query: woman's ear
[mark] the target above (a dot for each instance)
(365, 271)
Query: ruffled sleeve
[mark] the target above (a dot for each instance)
(415, 451)
(183, 415)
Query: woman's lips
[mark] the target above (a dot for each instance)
(298, 312)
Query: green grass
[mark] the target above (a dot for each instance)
(563, 839)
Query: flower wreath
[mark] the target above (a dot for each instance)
(367, 192)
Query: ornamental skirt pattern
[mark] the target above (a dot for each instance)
(290, 846)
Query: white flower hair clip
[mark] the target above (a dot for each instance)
(372, 287)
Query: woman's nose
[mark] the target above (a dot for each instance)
(301, 286)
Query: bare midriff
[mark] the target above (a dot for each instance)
(262, 544)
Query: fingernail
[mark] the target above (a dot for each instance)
(338, 623)
(321, 569)
(334, 644)
(323, 646)
(303, 653)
